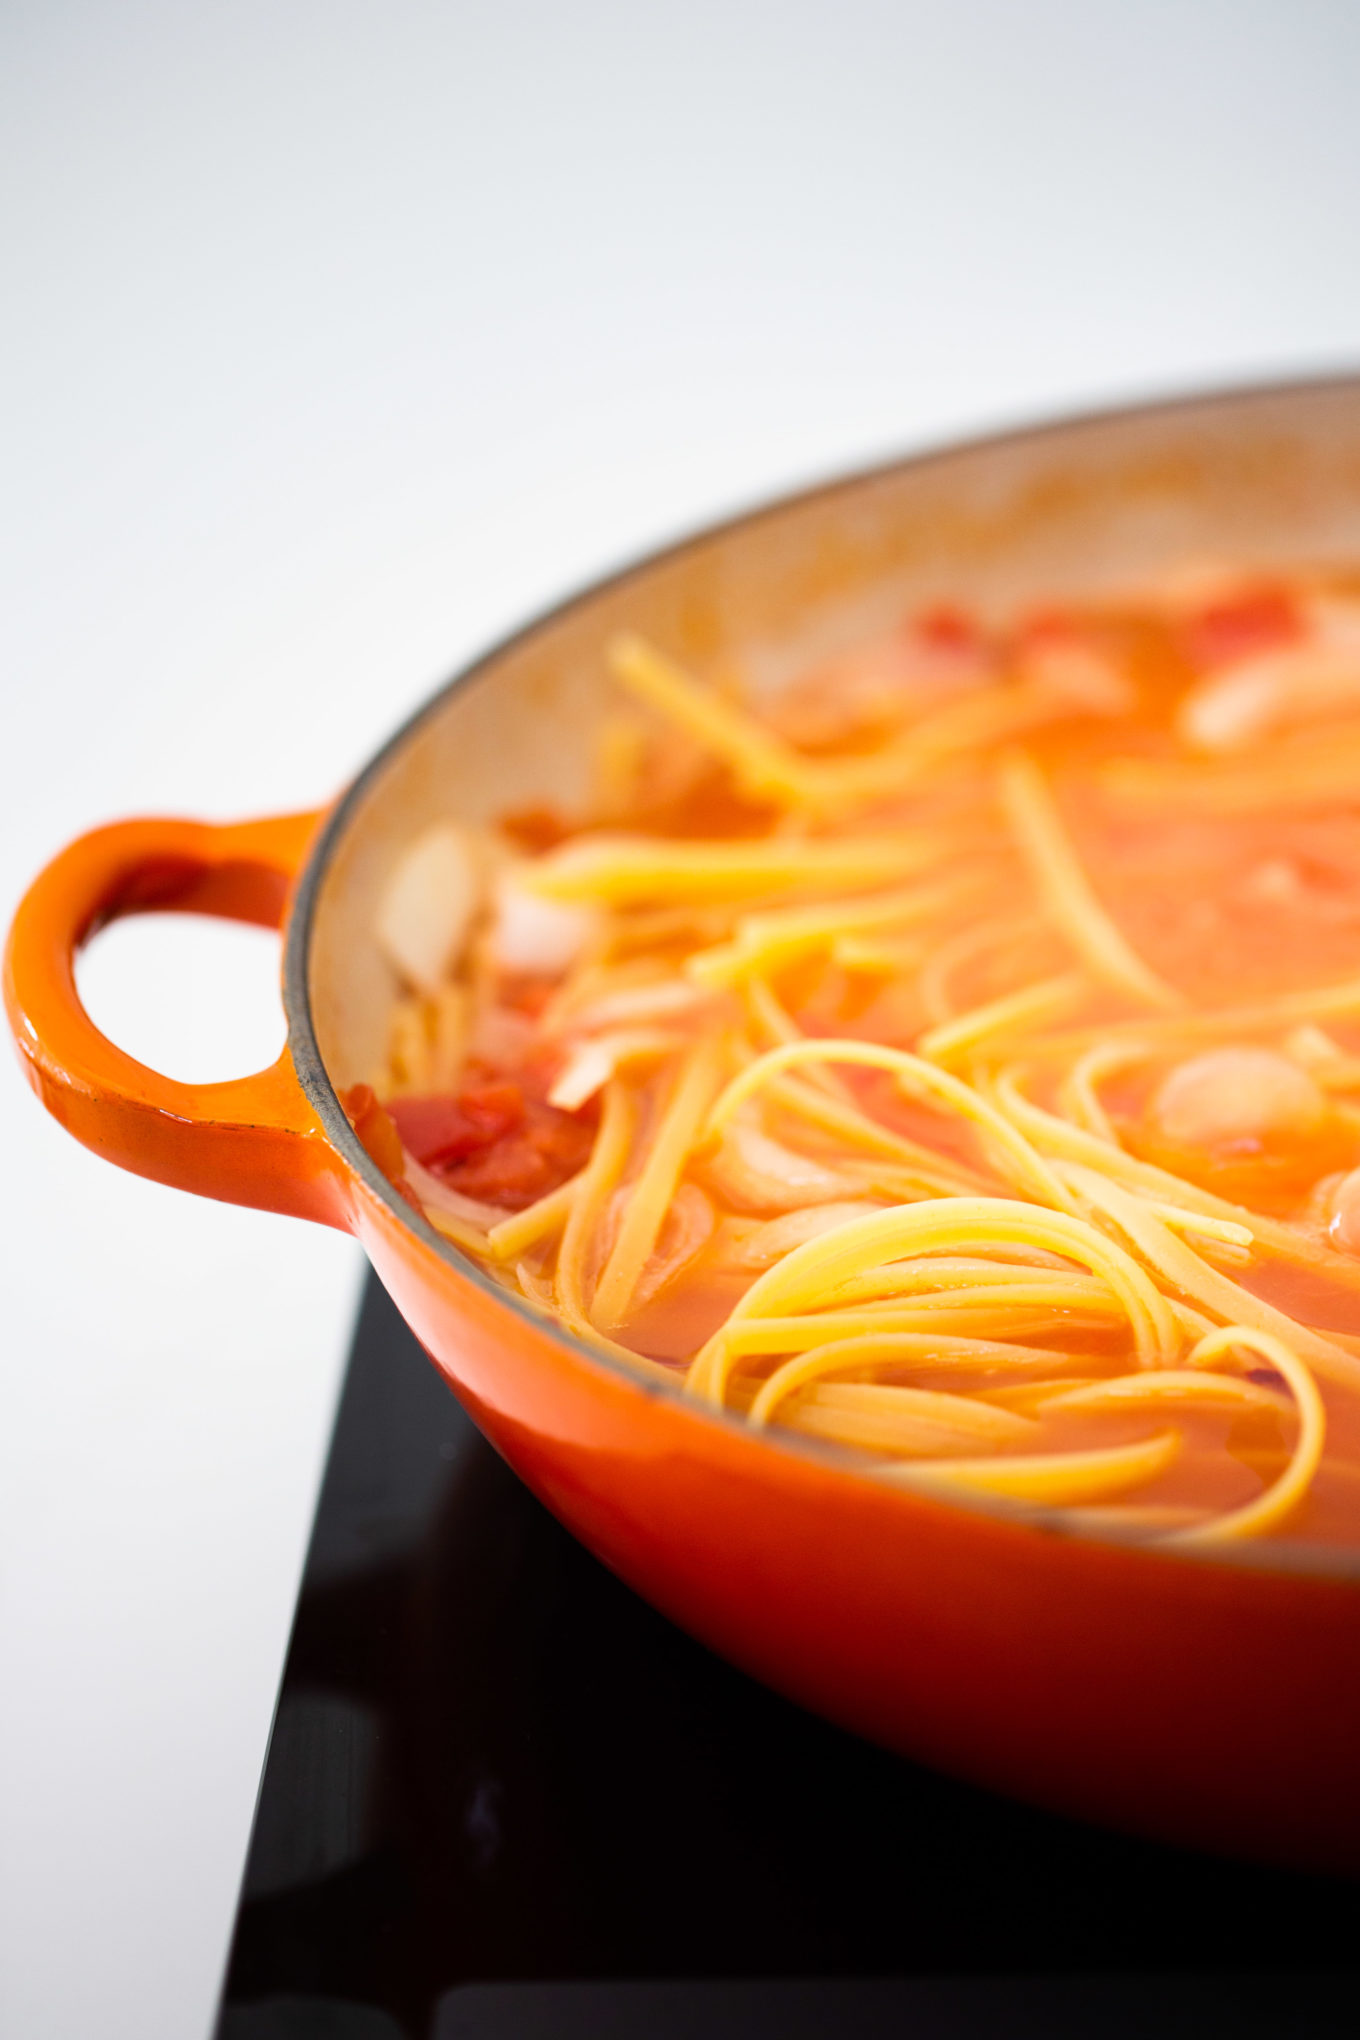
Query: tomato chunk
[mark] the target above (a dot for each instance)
(532, 1159)
(947, 627)
(535, 829)
(498, 1140)
(438, 1131)
(1236, 626)
(1049, 625)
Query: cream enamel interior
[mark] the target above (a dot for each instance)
(1090, 506)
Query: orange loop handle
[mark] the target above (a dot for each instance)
(255, 1140)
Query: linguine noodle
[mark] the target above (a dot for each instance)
(951, 1060)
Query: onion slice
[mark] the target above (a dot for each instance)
(752, 1172)
(428, 906)
(769, 1243)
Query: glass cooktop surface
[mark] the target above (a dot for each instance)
(503, 1797)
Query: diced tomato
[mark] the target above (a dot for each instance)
(438, 1131)
(1050, 626)
(947, 627)
(1233, 627)
(535, 829)
(529, 1161)
(374, 1126)
(498, 1102)
(527, 995)
(499, 1139)
(513, 1173)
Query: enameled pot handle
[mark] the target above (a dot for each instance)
(255, 1140)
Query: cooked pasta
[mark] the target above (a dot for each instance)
(950, 1061)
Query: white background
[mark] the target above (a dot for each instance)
(336, 338)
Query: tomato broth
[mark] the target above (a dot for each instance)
(954, 1060)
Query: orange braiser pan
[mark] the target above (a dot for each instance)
(1206, 1699)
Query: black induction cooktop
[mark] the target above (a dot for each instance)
(505, 1798)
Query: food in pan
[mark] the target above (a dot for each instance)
(950, 1054)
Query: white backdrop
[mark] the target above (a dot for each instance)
(335, 339)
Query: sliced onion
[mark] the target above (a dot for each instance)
(532, 935)
(1079, 674)
(1248, 701)
(590, 1064)
(437, 1195)
(587, 1070)
(428, 906)
(770, 1242)
(873, 684)
(1313, 1049)
(1344, 1229)
(662, 999)
(751, 1172)
(1237, 1093)
(687, 1229)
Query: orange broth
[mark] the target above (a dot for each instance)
(1125, 833)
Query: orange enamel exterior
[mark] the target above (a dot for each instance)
(1214, 1701)
(1181, 1698)
(255, 1140)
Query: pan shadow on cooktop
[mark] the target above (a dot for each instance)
(493, 1765)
